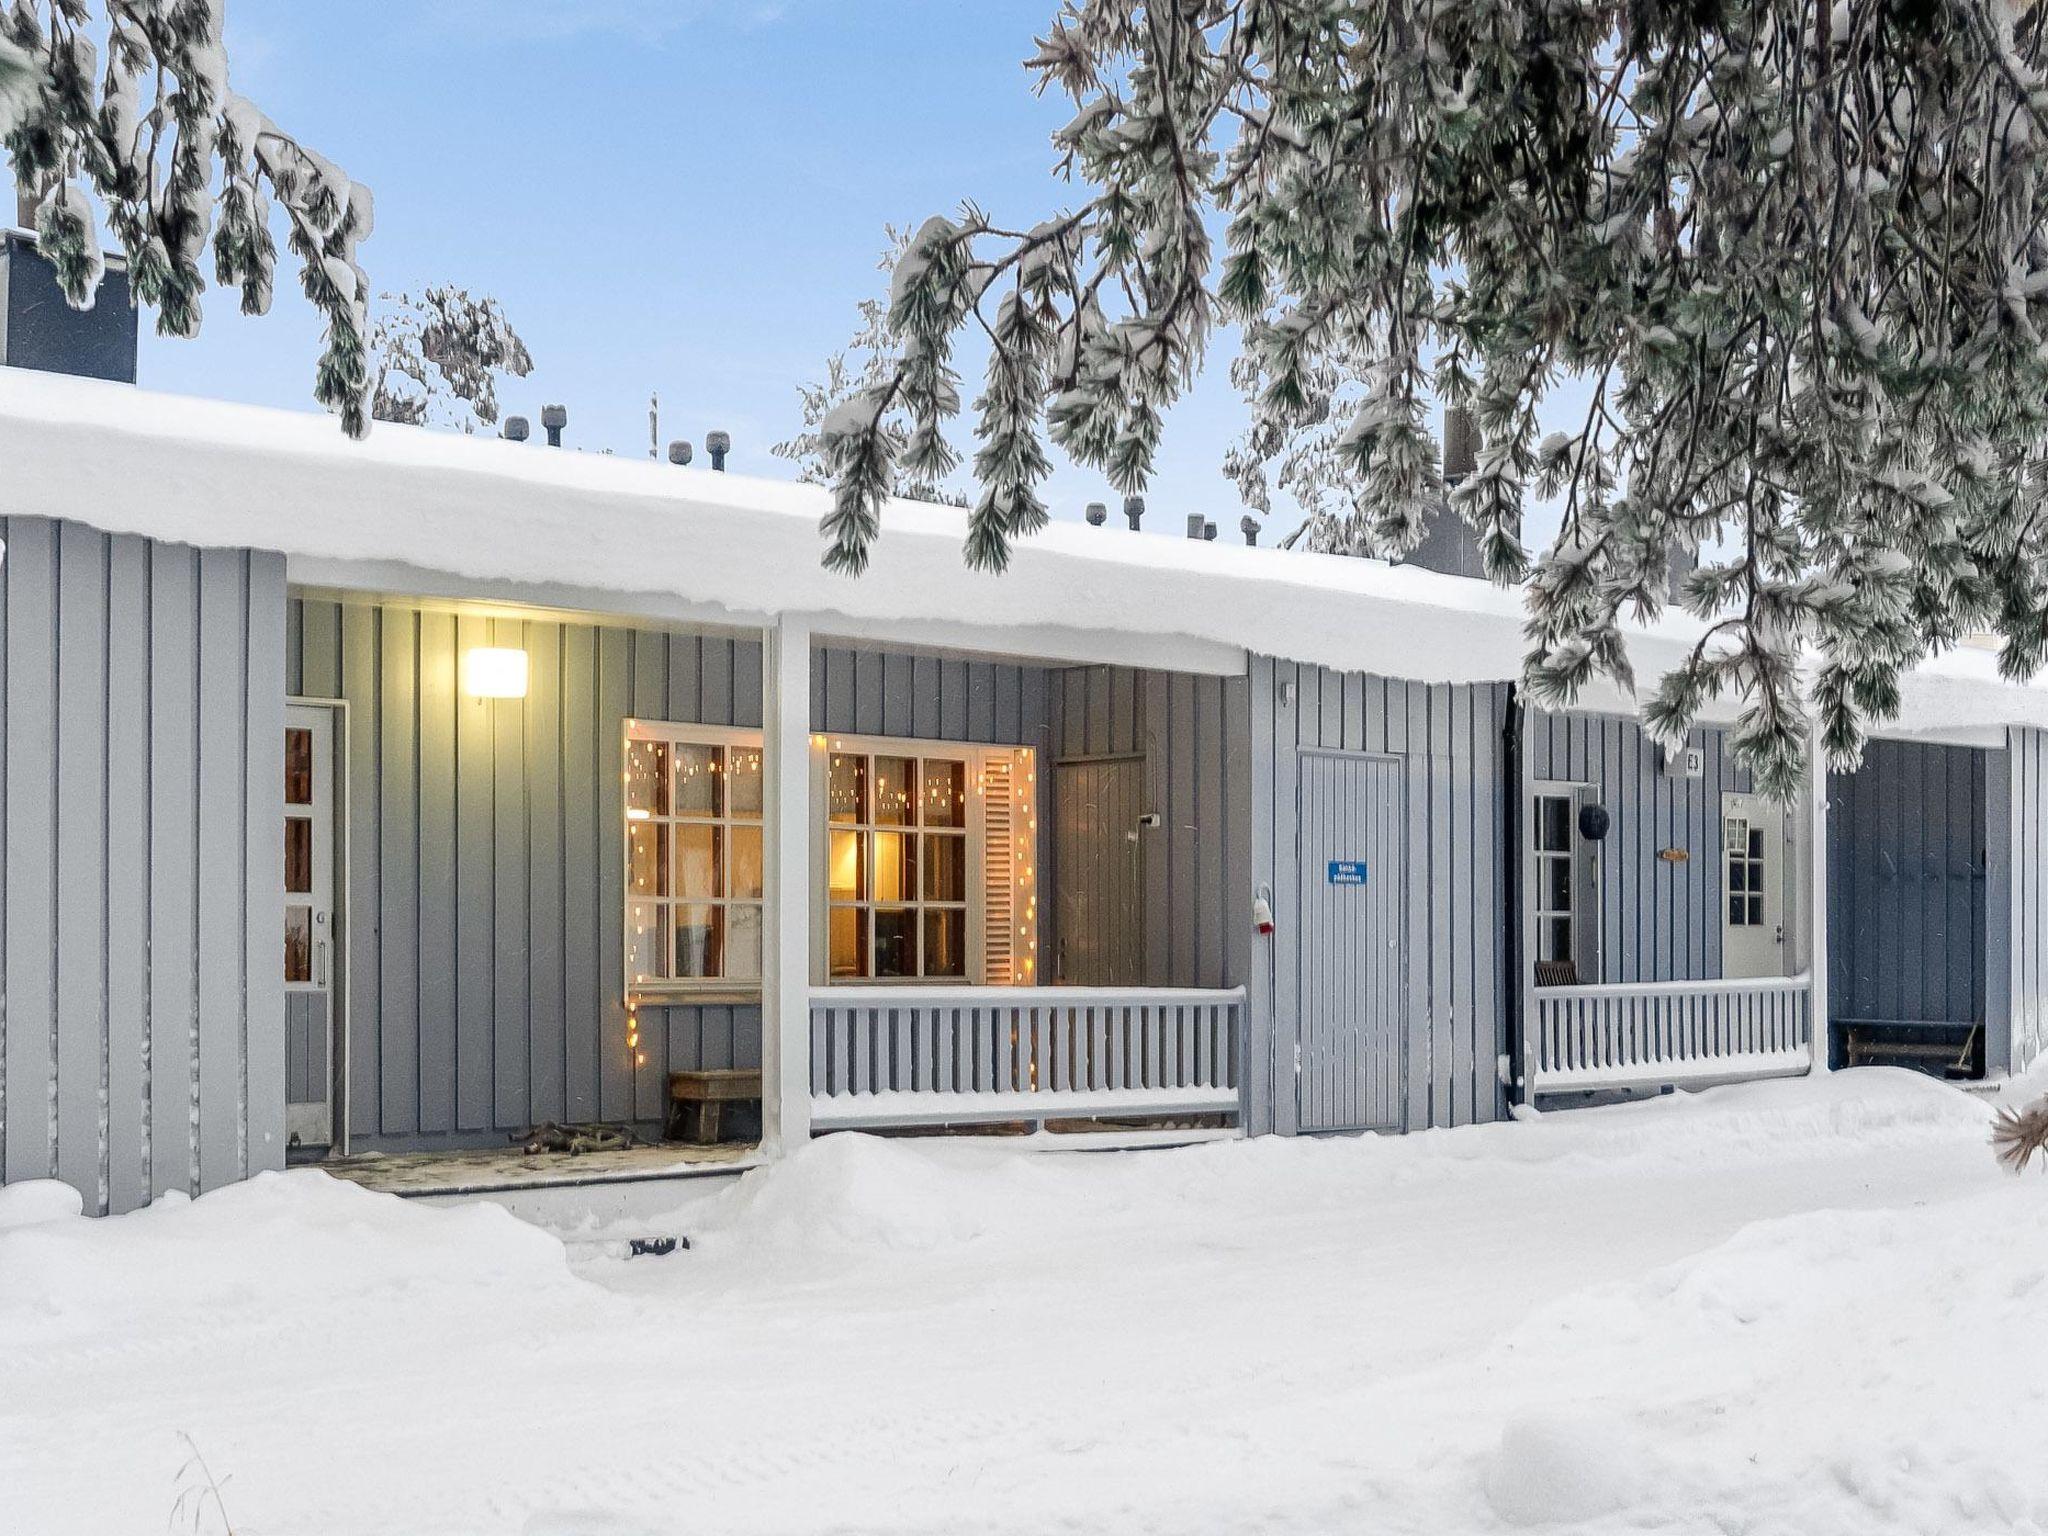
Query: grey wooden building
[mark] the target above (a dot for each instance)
(399, 796)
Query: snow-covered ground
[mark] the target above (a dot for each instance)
(1798, 1308)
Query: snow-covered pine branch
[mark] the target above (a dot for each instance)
(438, 356)
(126, 102)
(1793, 248)
(863, 365)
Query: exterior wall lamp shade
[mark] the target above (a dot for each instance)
(494, 672)
(1592, 822)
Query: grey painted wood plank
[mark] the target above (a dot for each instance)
(223, 615)
(171, 960)
(475, 890)
(263, 862)
(581, 832)
(719, 680)
(616, 1071)
(924, 697)
(398, 866)
(318, 627)
(362, 932)
(746, 683)
(951, 723)
(511, 940)
(30, 577)
(547, 1021)
(81, 786)
(650, 1063)
(446, 1053)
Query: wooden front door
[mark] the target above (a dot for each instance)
(1099, 864)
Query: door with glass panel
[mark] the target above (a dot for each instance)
(1752, 886)
(311, 953)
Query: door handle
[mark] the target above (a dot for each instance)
(319, 962)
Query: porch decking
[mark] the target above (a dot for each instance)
(491, 1170)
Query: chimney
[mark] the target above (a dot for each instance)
(1450, 546)
(1249, 527)
(1194, 525)
(1134, 509)
(39, 328)
(1098, 514)
(1461, 444)
(718, 445)
(516, 429)
(554, 418)
(679, 452)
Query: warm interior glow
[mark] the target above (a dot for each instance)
(494, 672)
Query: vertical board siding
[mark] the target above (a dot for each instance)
(2016, 927)
(1907, 838)
(141, 795)
(1191, 733)
(484, 914)
(1446, 741)
(1658, 920)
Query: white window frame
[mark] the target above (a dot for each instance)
(686, 989)
(974, 756)
(1582, 857)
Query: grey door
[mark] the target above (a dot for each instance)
(1349, 1070)
(1098, 864)
(310, 979)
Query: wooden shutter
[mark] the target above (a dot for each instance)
(1009, 905)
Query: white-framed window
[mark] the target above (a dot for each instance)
(1743, 850)
(926, 854)
(1561, 893)
(694, 858)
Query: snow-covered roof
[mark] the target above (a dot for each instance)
(463, 514)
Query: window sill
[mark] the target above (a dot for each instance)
(694, 994)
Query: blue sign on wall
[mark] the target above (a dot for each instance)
(1347, 871)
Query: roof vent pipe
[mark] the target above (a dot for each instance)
(1098, 514)
(516, 429)
(718, 445)
(1209, 533)
(1134, 509)
(679, 452)
(554, 418)
(1249, 527)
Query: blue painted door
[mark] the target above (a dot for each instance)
(1350, 1052)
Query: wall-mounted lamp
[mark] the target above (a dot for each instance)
(494, 672)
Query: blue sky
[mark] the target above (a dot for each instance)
(664, 194)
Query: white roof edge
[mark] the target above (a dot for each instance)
(480, 515)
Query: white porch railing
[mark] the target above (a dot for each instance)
(920, 1055)
(1646, 1034)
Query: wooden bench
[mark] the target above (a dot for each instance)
(697, 1100)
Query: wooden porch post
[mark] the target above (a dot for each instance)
(1817, 891)
(786, 937)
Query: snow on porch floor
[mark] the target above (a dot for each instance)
(481, 1170)
(1800, 1307)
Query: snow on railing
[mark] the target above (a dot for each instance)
(1647, 1034)
(925, 1055)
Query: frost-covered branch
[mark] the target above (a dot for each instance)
(1794, 249)
(126, 102)
(438, 357)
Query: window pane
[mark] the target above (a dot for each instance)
(945, 794)
(849, 927)
(847, 799)
(945, 941)
(643, 941)
(700, 940)
(1557, 894)
(1738, 874)
(895, 866)
(298, 943)
(1756, 911)
(1735, 910)
(298, 855)
(895, 942)
(847, 876)
(1554, 823)
(743, 942)
(746, 862)
(1756, 842)
(700, 773)
(893, 806)
(647, 777)
(697, 861)
(743, 781)
(945, 867)
(1560, 939)
(298, 767)
(646, 859)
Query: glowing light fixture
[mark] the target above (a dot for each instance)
(494, 672)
